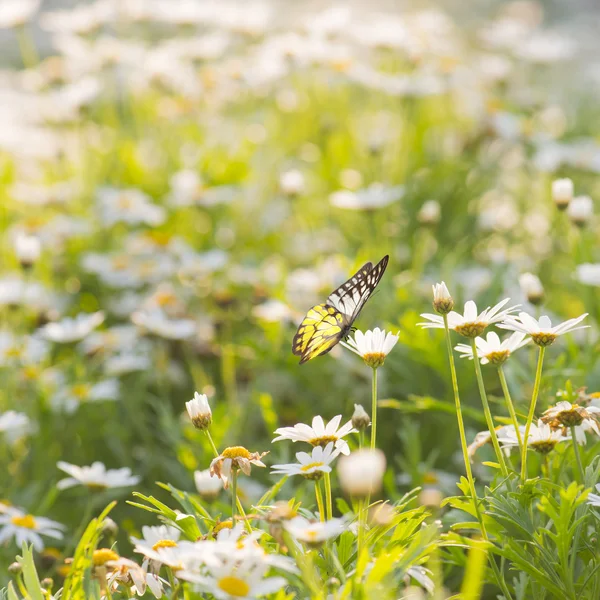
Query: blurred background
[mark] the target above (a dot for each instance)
(201, 173)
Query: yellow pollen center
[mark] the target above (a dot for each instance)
(164, 544)
(471, 329)
(234, 586)
(312, 534)
(310, 466)
(94, 485)
(103, 555)
(323, 440)
(120, 263)
(81, 391)
(165, 299)
(26, 521)
(124, 202)
(498, 357)
(430, 478)
(14, 352)
(235, 452)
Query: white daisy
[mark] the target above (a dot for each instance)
(542, 438)
(594, 499)
(361, 473)
(14, 13)
(491, 349)
(318, 434)
(484, 437)
(314, 533)
(157, 322)
(28, 249)
(375, 196)
(129, 206)
(153, 538)
(565, 414)
(14, 425)
(443, 302)
(199, 411)
(72, 330)
(532, 287)
(206, 485)
(235, 457)
(541, 331)
(69, 398)
(580, 210)
(310, 466)
(588, 274)
(22, 350)
(95, 477)
(470, 324)
(372, 346)
(25, 528)
(562, 192)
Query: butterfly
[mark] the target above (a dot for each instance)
(326, 324)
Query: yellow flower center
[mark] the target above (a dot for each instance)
(543, 339)
(26, 521)
(323, 440)
(14, 352)
(543, 446)
(430, 478)
(160, 238)
(310, 466)
(124, 202)
(103, 555)
(81, 391)
(374, 359)
(234, 586)
(94, 485)
(164, 544)
(498, 357)
(235, 452)
(120, 263)
(165, 298)
(31, 372)
(472, 329)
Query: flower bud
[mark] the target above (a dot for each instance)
(199, 411)
(429, 213)
(580, 210)
(47, 583)
(109, 527)
(361, 473)
(360, 418)
(562, 192)
(28, 249)
(532, 287)
(14, 568)
(442, 300)
(292, 182)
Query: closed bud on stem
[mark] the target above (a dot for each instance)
(28, 249)
(580, 210)
(199, 411)
(47, 583)
(360, 418)
(532, 287)
(562, 192)
(14, 568)
(442, 300)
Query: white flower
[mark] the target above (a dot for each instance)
(22, 350)
(430, 213)
(28, 249)
(310, 466)
(565, 414)
(470, 324)
(589, 273)
(532, 287)
(314, 533)
(491, 349)
(14, 13)
(186, 188)
(594, 499)
(375, 196)
(541, 331)
(18, 292)
(506, 432)
(153, 538)
(14, 425)
(69, 398)
(72, 330)
(235, 457)
(28, 529)
(318, 434)
(235, 581)
(360, 418)
(156, 322)
(208, 487)
(443, 302)
(127, 362)
(273, 311)
(562, 192)
(95, 477)
(580, 210)
(372, 346)
(199, 411)
(542, 438)
(361, 473)
(292, 182)
(130, 206)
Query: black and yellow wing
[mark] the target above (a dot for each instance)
(326, 324)
(321, 329)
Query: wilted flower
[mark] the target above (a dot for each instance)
(310, 466)
(541, 331)
(361, 473)
(470, 324)
(235, 457)
(199, 411)
(532, 287)
(95, 477)
(372, 346)
(562, 192)
(565, 414)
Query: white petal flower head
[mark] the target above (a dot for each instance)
(594, 499)
(25, 528)
(443, 302)
(156, 322)
(562, 192)
(361, 473)
(588, 274)
(375, 196)
(153, 538)
(199, 411)
(95, 476)
(491, 349)
(565, 414)
(14, 13)
(580, 210)
(206, 485)
(532, 287)
(310, 466)
(318, 434)
(542, 438)
(72, 330)
(541, 331)
(470, 324)
(373, 346)
(315, 533)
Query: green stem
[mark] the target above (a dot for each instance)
(361, 436)
(234, 498)
(212, 444)
(374, 409)
(328, 501)
(362, 525)
(486, 410)
(509, 405)
(319, 496)
(577, 455)
(461, 428)
(536, 390)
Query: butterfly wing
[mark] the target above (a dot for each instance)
(351, 296)
(321, 329)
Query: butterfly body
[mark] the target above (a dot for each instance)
(326, 324)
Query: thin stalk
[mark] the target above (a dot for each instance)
(487, 412)
(319, 496)
(212, 444)
(509, 405)
(234, 498)
(361, 437)
(362, 526)
(577, 455)
(328, 500)
(536, 390)
(374, 409)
